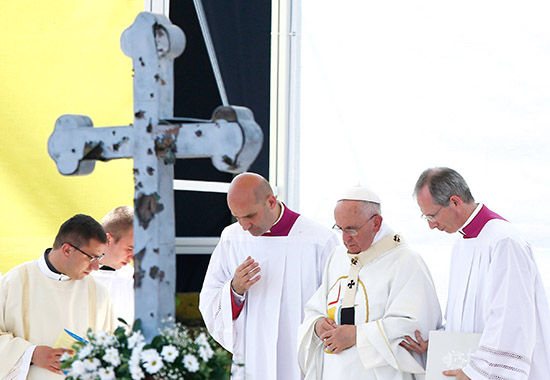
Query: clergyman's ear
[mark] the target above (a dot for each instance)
(66, 249)
(110, 238)
(377, 222)
(455, 200)
(271, 201)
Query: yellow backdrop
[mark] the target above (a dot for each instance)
(58, 57)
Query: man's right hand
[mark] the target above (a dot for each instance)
(323, 325)
(419, 346)
(49, 358)
(244, 276)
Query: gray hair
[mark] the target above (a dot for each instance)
(443, 183)
(370, 208)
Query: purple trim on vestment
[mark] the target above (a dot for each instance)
(473, 229)
(283, 226)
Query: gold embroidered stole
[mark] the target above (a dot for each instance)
(359, 260)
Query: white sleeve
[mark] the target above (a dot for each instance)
(21, 369)
(508, 338)
(310, 346)
(239, 300)
(215, 299)
(412, 305)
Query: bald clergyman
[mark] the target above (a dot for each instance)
(262, 272)
(375, 291)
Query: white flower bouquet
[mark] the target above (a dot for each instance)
(176, 353)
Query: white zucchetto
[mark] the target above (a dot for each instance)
(360, 193)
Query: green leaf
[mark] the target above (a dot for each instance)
(158, 342)
(123, 321)
(66, 364)
(137, 325)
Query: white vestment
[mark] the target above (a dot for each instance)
(120, 284)
(263, 337)
(395, 296)
(495, 289)
(35, 308)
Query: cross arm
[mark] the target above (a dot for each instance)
(75, 144)
(232, 139)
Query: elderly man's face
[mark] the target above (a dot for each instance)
(351, 215)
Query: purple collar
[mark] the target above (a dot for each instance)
(284, 225)
(473, 228)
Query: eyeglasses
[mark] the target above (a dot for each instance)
(93, 259)
(431, 218)
(352, 231)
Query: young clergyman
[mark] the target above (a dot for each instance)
(41, 298)
(116, 272)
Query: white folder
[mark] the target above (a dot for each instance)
(449, 350)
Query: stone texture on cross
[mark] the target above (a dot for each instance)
(232, 139)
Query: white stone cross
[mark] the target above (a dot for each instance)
(232, 139)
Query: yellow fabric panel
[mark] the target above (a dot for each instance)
(56, 58)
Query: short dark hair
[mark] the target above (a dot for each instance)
(443, 183)
(79, 230)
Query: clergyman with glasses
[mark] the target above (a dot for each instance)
(375, 291)
(495, 288)
(41, 298)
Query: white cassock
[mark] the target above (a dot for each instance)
(120, 284)
(36, 305)
(263, 337)
(395, 297)
(495, 289)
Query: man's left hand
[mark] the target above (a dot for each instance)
(458, 373)
(419, 346)
(340, 338)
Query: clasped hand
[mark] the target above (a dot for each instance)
(336, 338)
